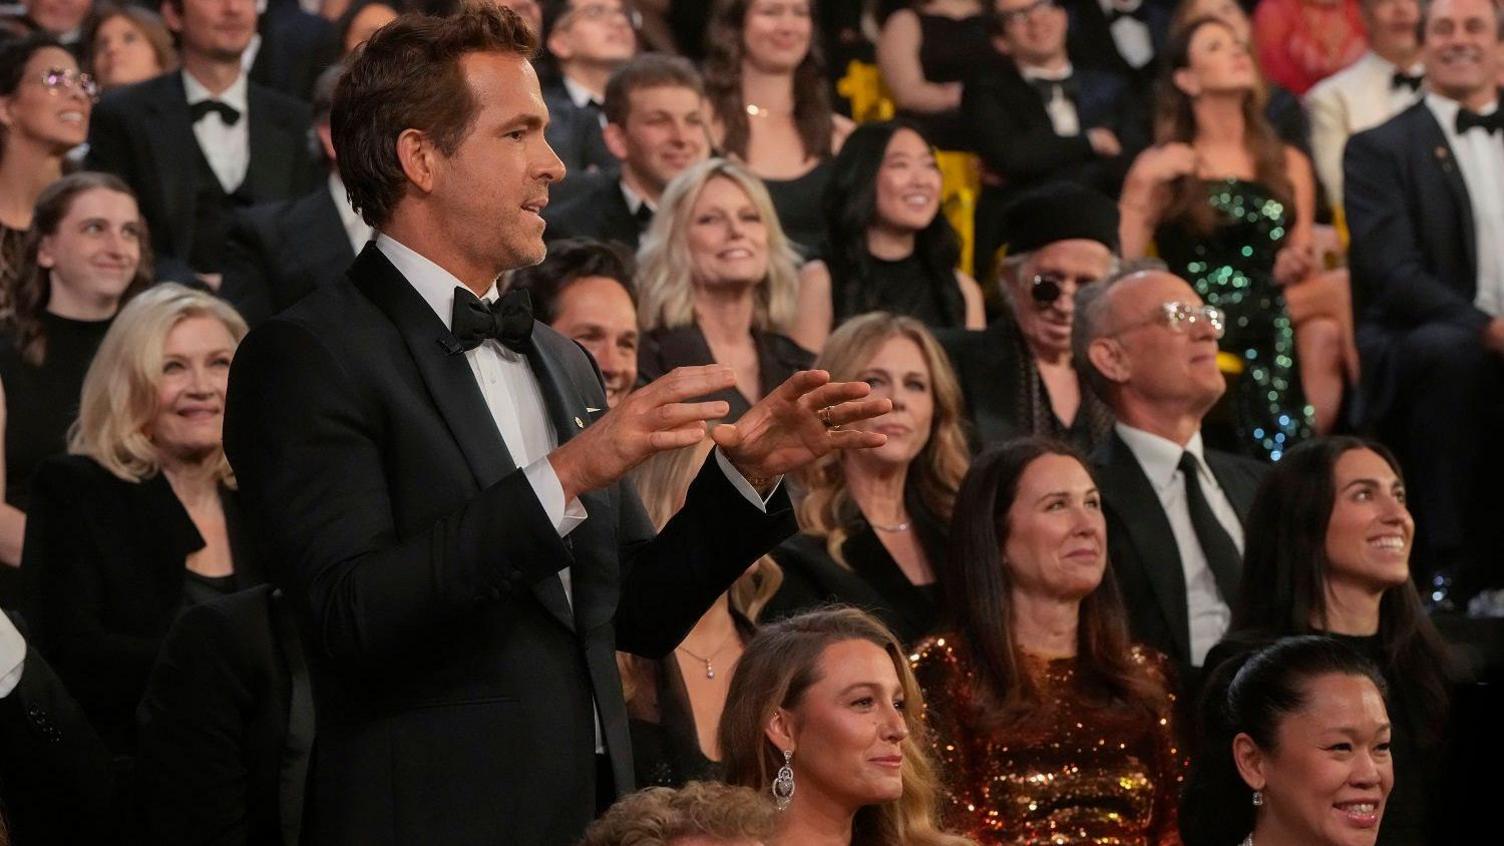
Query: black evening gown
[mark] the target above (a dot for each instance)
(950, 50)
(904, 286)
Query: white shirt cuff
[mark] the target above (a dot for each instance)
(12, 656)
(741, 484)
(565, 517)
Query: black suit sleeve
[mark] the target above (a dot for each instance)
(1016, 151)
(1388, 265)
(109, 142)
(246, 282)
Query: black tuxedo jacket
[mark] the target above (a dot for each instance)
(1413, 253)
(597, 210)
(454, 677)
(575, 134)
(1142, 546)
(144, 134)
(226, 726)
(1090, 43)
(277, 253)
(296, 47)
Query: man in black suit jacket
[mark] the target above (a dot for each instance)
(586, 41)
(277, 253)
(1427, 260)
(1174, 508)
(438, 479)
(295, 48)
(1039, 118)
(198, 143)
(1123, 37)
(655, 124)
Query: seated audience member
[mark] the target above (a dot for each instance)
(1043, 714)
(1382, 83)
(55, 782)
(362, 18)
(655, 124)
(85, 255)
(716, 283)
(1301, 42)
(770, 106)
(824, 716)
(874, 525)
(701, 813)
(127, 44)
(226, 725)
(64, 20)
(1427, 254)
(584, 290)
(295, 47)
(198, 144)
(1039, 119)
(925, 52)
(44, 112)
(141, 518)
(1174, 507)
(585, 41)
(674, 704)
(1296, 751)
(1232, 208)
(276, 253)
(1329, 539)
(890, 247)
(1019, 376)
(1123, 37)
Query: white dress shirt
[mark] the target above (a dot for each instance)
(228, 148)
(1131, 35)
(1063, 116)
(12, 656)
(1160, 460)
(1480, 158)
(1356, 98)
(356, 229)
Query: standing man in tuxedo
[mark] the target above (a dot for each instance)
(197, 144)
(277, 253)
(586, 40)
(440, 479)
(655, 124)
(1425, 205)
(1382, 83)
(1174, 508)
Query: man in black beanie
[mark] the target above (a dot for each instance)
(1017, 375)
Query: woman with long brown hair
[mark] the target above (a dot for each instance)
(823, 714)
(1043, 714)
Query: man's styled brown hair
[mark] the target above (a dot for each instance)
(407, 76)
(659, 816)
(649, 70)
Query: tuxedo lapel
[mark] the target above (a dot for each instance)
(1444, 159)
(174, 150)
(270, 174)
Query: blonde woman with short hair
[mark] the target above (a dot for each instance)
(141, 518)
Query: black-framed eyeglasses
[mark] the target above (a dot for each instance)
(1046, 288)
(1014, 16)
(604, 12)
(1181, 316)
(59, 79)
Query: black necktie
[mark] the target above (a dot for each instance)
(1405, 80)
(644, 217)
(227, 112)
(1489, 123)
(1221, 553)
(508, 320)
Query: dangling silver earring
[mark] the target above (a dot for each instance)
(1258, 798)
(783, 785)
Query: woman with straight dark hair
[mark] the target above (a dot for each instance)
(1296, 750)
(890, 248)
(1328, 552)
(1043, 714)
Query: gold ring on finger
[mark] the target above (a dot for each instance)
(824, 415)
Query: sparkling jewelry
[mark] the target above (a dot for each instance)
(895, 527)
(754, 110)
(706, 659)
(1258, 798)
(1248, 841)
(783, 785)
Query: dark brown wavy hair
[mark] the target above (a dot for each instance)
(813, 112)
(1175, 120)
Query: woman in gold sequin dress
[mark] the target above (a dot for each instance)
(1050, 728)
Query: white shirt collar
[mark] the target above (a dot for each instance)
(1047, 75)
(235, 96)
(634, 200)
(578, 94)
(433, 283)
(1159, 457)
(1445, 109)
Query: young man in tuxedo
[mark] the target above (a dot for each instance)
(655, 125)
(197, 144)
(1174, 508)
(440, 476)
(1425, 205)
(1382, 83)
(586, 40)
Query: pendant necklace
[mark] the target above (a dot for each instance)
(706, 659)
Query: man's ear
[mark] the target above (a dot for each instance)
(418, 158)
(172, 18)
(559, 45)
(1109, 358)
(615, 136)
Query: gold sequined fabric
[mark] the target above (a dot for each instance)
(1079, 774)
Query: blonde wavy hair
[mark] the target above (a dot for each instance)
(665, 289)
(779, 666)
(119, 397)
(828, 510)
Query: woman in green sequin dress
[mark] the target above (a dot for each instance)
(1230, 208)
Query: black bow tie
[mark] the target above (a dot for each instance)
(1046, 87)
(644, 217)
(1139, 13)
(508, 320)
(1489, 123)
(227, 113)
(1405, 80)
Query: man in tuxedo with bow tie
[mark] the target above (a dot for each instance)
(436, 475)
(586, 41)
(199, 143)
(1425, 204)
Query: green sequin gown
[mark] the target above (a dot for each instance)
(1233, 269)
